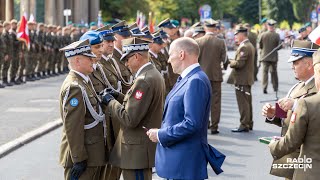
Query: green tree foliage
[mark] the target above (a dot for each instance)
(303, 8)
(236, 10)
(281, 10)
(163, 8)
(123, 9)
(248, 11)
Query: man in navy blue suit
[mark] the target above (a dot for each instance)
(182, 138)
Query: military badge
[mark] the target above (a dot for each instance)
(138, 95)
(74, 102)
(293, 117)
(241, 53)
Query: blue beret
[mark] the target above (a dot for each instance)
(93, 36)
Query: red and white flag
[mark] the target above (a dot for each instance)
(31, 18)
(314, 36)
(23, 32)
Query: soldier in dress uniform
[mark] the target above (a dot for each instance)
(121, 32)
(110, 172)
(154, 49)
(170, 29)
(2, 53)
(7, 39)
(59, 61)
(164, 56)
(55, 47)
(49, 49)
(30, 56)
(253, 39)
(66, 39)
(303, 132)
(83, 153)
(41, 56)
(269, 44)
(242, 78)
(142, 107)
(22, 63)
(301, 58)
(16, 50)
(212, 54)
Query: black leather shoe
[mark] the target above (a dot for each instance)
(265, 91)
(250, 128)
(214, 132)
(240, 130)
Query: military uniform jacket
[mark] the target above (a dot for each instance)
(243, 65)
(41, 40)
(7, 40)
(110, 71)
(97, 80)
(267, 42)
(298, 91)
(3, 47)
(125, 72)
(253, 38)
(212, 53)
(142, 106)
(99, 84)
(303, 131)
(78, 144)
(15, 43)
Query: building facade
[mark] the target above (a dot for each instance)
(51, 11)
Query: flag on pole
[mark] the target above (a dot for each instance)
(23, 32)
(138, 18)
(31, 18)
(314, 36)
(100, 23)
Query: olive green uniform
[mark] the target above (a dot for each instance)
(79, 143)
(268, 41)
(142, 106)
(242, 77)
(298, 91)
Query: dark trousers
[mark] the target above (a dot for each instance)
(215, 104)
(244, 99)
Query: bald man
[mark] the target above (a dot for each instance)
(185, 118)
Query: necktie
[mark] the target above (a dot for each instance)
(178, 80)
